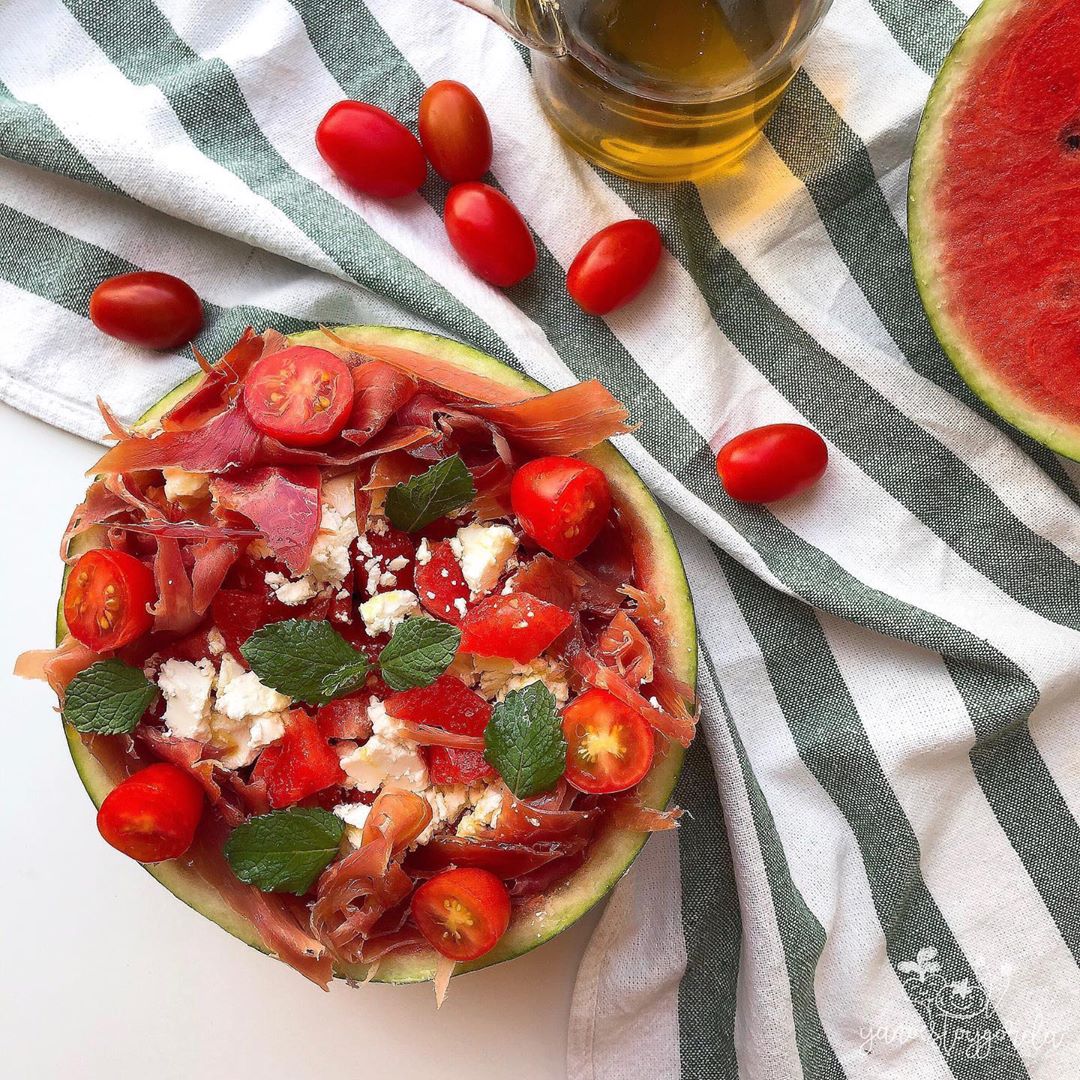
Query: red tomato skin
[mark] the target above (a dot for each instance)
(153, 814)
(772, 462)
(556, 496)
(455, 132)
(614, 266)
(371, 151)
(489, 233)
(485, 901)
(600, 711)
(136, 591)
(148, 309)
(494, 627)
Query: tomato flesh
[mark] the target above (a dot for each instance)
(300, 396)
(518, 627)
(561, 502)
(148, 309)
(153, 814)
(400, 816)
(609, 746)
(448, 704)
(614, 266)
(772, 462)
(370, 150)
(441, 586)
(490, 235)
(455, 132)
(462, 913)
(106, 599)
(299, 764)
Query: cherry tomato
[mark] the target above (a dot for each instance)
(300, 396)
(148, 309)
(153, 814)
(614, 266)
(106, 599)
(519, 627)
(561, 502)
(462, 913)
(489, 234)
(455, 132)
(400, 816)
(440, 584)
(609, 745)
(368, 149)
(448, 704)
(299, 764)
(771, 462)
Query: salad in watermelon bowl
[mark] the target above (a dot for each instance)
(374, 652)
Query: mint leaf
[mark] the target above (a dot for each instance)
(446, 486)
(285, 850)
(418, 653)
(108, 698)
(524, 741)
(310, 661)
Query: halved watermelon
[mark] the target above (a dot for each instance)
(613, 849)
(994, 213)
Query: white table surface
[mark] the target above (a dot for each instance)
(106, 975)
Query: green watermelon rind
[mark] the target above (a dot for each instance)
(613, 850)
(1040, 424)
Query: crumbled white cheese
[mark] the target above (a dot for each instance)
(396, 564)
(240, 694)
(215, 641)
(484, 814)
(378, 526)
(289, 591)
(354, 815)
(384, 758)
(497, 677)
(329, 562)
(483, 551)
(423, 553)
(384, 612)
(180, 484)
(448, 803)
(242, 738)
(461, 605)
(387, 580)
(186, 688)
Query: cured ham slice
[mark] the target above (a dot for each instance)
(379, 391)
(214, 558)
(100, 506)
(175, 608)
(426, 735)
(623, 646)
(56, 666)
(630, 814)
(566, 585)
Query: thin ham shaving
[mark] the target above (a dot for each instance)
(56, 666)
(631, 815)
(425, 735)
(623, 646)
(566, 585)
(214, 558)
(174, 610)
(187, 530)
(101, 505)
(444, 970)
(492, 482)
(379, 391)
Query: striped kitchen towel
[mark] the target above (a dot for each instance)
(879, 876)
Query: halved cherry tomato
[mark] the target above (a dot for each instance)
(489, 234)
(441, 586)
(561, 502)
(519, 627)
(299, 764)
(448, 704)
(153, 814)
(462, 913)
(400, 816)
(609, 745)
(148, 309)
(300, 396)
(772, 462)
(455, 132)
(106, 599)
(614, 266)
(368, 149)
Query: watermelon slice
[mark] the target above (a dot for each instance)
(994, 214)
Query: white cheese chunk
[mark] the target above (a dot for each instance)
(385, 761)
(483, 551)
(180, 484)
(423, 553)
(186, 688)
(240, 694)
(497, 677)
(384, 612)
(448, 803)
(484, 814)
(215, 641)
(329, 563)
(241, 739)
(354, 815)
(291, 592)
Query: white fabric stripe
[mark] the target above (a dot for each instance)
(613, 1007)
(857, 991)
(971, 869)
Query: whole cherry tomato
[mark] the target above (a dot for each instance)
(106, 599)
(455, 132)
(489, 234)
(614, 266)
(609, 747)
(153, 814)
(148, 309)
(301, 396)
(368, 149)
(772, 462)
(561, 502)
(462, 913)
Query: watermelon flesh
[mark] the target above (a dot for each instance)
(995, 213)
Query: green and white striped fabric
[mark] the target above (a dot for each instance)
(879, 876)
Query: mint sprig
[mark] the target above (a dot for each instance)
(418, 653)
(285, 850)
(108, 698)
(524, 741)
(446, 486)
(307, 660)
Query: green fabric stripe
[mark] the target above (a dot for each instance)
(204, 94)
(802, 936)
(829, 735)
(819, 148)
(65, 270)
(924, 29)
